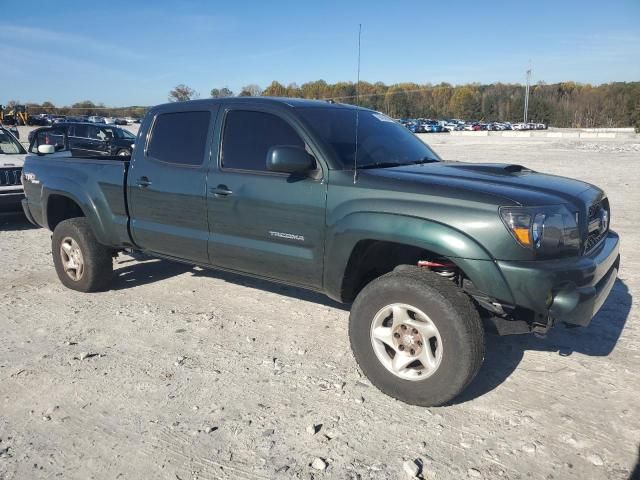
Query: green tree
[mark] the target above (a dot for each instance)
(464, 103)
(276, 89)
(86, 107)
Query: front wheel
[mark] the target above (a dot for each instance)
(125, 152)
(416, 336)
(81, 262)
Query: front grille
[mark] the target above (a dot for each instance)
(10, 176)
(598, 219)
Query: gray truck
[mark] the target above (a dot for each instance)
(345, 201)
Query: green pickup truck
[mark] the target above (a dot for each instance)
(344, 201)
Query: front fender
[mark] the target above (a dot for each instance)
(438, 238)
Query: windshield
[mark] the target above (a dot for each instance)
(122, 133)
(104, 132)
(8, 144)
(382, 142)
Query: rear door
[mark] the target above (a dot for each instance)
(79, 140)
(167, 183)
(97, 141)
(264, 223)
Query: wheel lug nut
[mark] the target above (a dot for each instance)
(412, 352)
(403, 327)
(414, 331)
(401, 348)
(396, 335)
(419, 343)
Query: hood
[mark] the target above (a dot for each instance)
(511, 182)
(8, 161)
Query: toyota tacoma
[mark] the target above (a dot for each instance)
(345, 201)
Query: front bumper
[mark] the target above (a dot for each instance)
(10, 203)
(566, 290)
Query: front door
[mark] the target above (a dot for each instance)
(264, 223)
(167, 184)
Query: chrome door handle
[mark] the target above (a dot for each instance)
(221, 191)
(143, 182)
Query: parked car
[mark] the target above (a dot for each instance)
(88, 139)
(433, 126)
(420, 247)
(12, 155)
(421, 128)
(38, 120)
(120, 121)
(95, 119)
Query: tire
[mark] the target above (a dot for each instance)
(457, 347)
(125, 152)
(93, 265)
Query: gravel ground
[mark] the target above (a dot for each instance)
(181, 373)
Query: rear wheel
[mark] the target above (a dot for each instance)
(416, 336)
(81, 262)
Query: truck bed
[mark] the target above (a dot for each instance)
(95, 184)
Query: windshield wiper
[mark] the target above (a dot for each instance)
(398, 164)
(382, 165)
(424, 160)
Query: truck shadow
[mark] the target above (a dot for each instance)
(15, 223)
(132, 273)
(503, 354)
(635, 475)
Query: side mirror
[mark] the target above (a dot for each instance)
(46, 149)
(289, 159)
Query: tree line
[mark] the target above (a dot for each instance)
(86, 107)
(565, 104)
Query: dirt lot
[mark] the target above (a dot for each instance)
(181, 373)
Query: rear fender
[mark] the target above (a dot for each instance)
(94, 209)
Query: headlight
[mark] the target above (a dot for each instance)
(549, 230)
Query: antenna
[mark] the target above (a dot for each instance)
(355, 154)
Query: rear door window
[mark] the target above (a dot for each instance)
(248, 136)
(80, 131)
(179, 138)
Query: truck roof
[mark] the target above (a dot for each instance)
(290, 102)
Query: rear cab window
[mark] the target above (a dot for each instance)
(179, 138)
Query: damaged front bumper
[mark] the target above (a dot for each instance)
(565, 290)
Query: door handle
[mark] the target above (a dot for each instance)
(144, 182)
(221, 191)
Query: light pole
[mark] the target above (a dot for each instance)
(526, 96)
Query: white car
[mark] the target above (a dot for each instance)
(12, 155)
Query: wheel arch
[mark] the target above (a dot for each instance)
(68, 201)
(362, 242)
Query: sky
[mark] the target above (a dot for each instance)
(132, 52)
